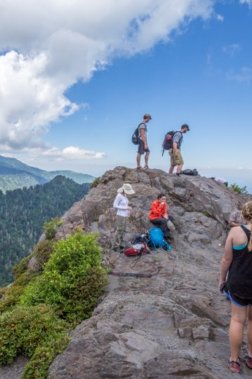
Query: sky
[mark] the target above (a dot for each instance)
(76, 77)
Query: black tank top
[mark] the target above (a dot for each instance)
(239, 280)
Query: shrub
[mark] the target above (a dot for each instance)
(206, 213)
(42, 252)
(236, 188)
(12, 293)
(11, 297)
(22, 330)
(43, 356)
(96, 182)
(42, 307)
(21, 266)
(50, 227)
(2, 292)
(73, 278)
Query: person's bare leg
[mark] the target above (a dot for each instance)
(249, 327)
(138, 160)
(238, 319)
(171, 163)
(179, 168)
(146, 158)
(171, 169)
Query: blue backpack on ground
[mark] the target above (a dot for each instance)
(156, 239)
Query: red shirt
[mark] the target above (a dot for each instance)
(158, 210)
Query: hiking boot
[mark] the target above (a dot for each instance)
(146, 167)
(248, 362)
(235, 367)
(138, 167)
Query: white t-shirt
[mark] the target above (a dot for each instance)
(142, 125)
(121, 203)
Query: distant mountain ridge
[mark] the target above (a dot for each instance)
(16, 174)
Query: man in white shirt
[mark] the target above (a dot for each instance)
(143, 147)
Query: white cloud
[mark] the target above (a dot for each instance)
(249, 2)
(55, 153)
(48, 46)
(29, 100)
(244, 75)
(72, 152)
(219, 17)
(231, 49)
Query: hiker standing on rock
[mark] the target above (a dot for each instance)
(158, 214)
(121, 204)
(175, 153)
(236, 280)
(143, 147)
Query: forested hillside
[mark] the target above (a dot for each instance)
(23, 213)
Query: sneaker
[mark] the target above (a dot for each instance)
(248, 362)
(234, 366)
(146, 167)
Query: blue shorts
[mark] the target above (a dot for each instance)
(236, 300)
(141, 149)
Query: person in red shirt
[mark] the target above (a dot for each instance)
(158, 214)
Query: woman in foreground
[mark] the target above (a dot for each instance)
(236, 278)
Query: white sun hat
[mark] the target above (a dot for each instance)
(127, 188)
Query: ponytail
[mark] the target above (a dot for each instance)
(250, 240)
(247, 214)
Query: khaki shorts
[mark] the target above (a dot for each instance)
(176, 160)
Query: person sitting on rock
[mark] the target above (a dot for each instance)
(236, 278)
(158, 215)
(121, 204)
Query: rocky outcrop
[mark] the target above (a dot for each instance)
(200, 206)
(162, 316)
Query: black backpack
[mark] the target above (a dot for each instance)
(188, 171)
(135, 137)
(168, 141)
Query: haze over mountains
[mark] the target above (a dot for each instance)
(16, 174)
